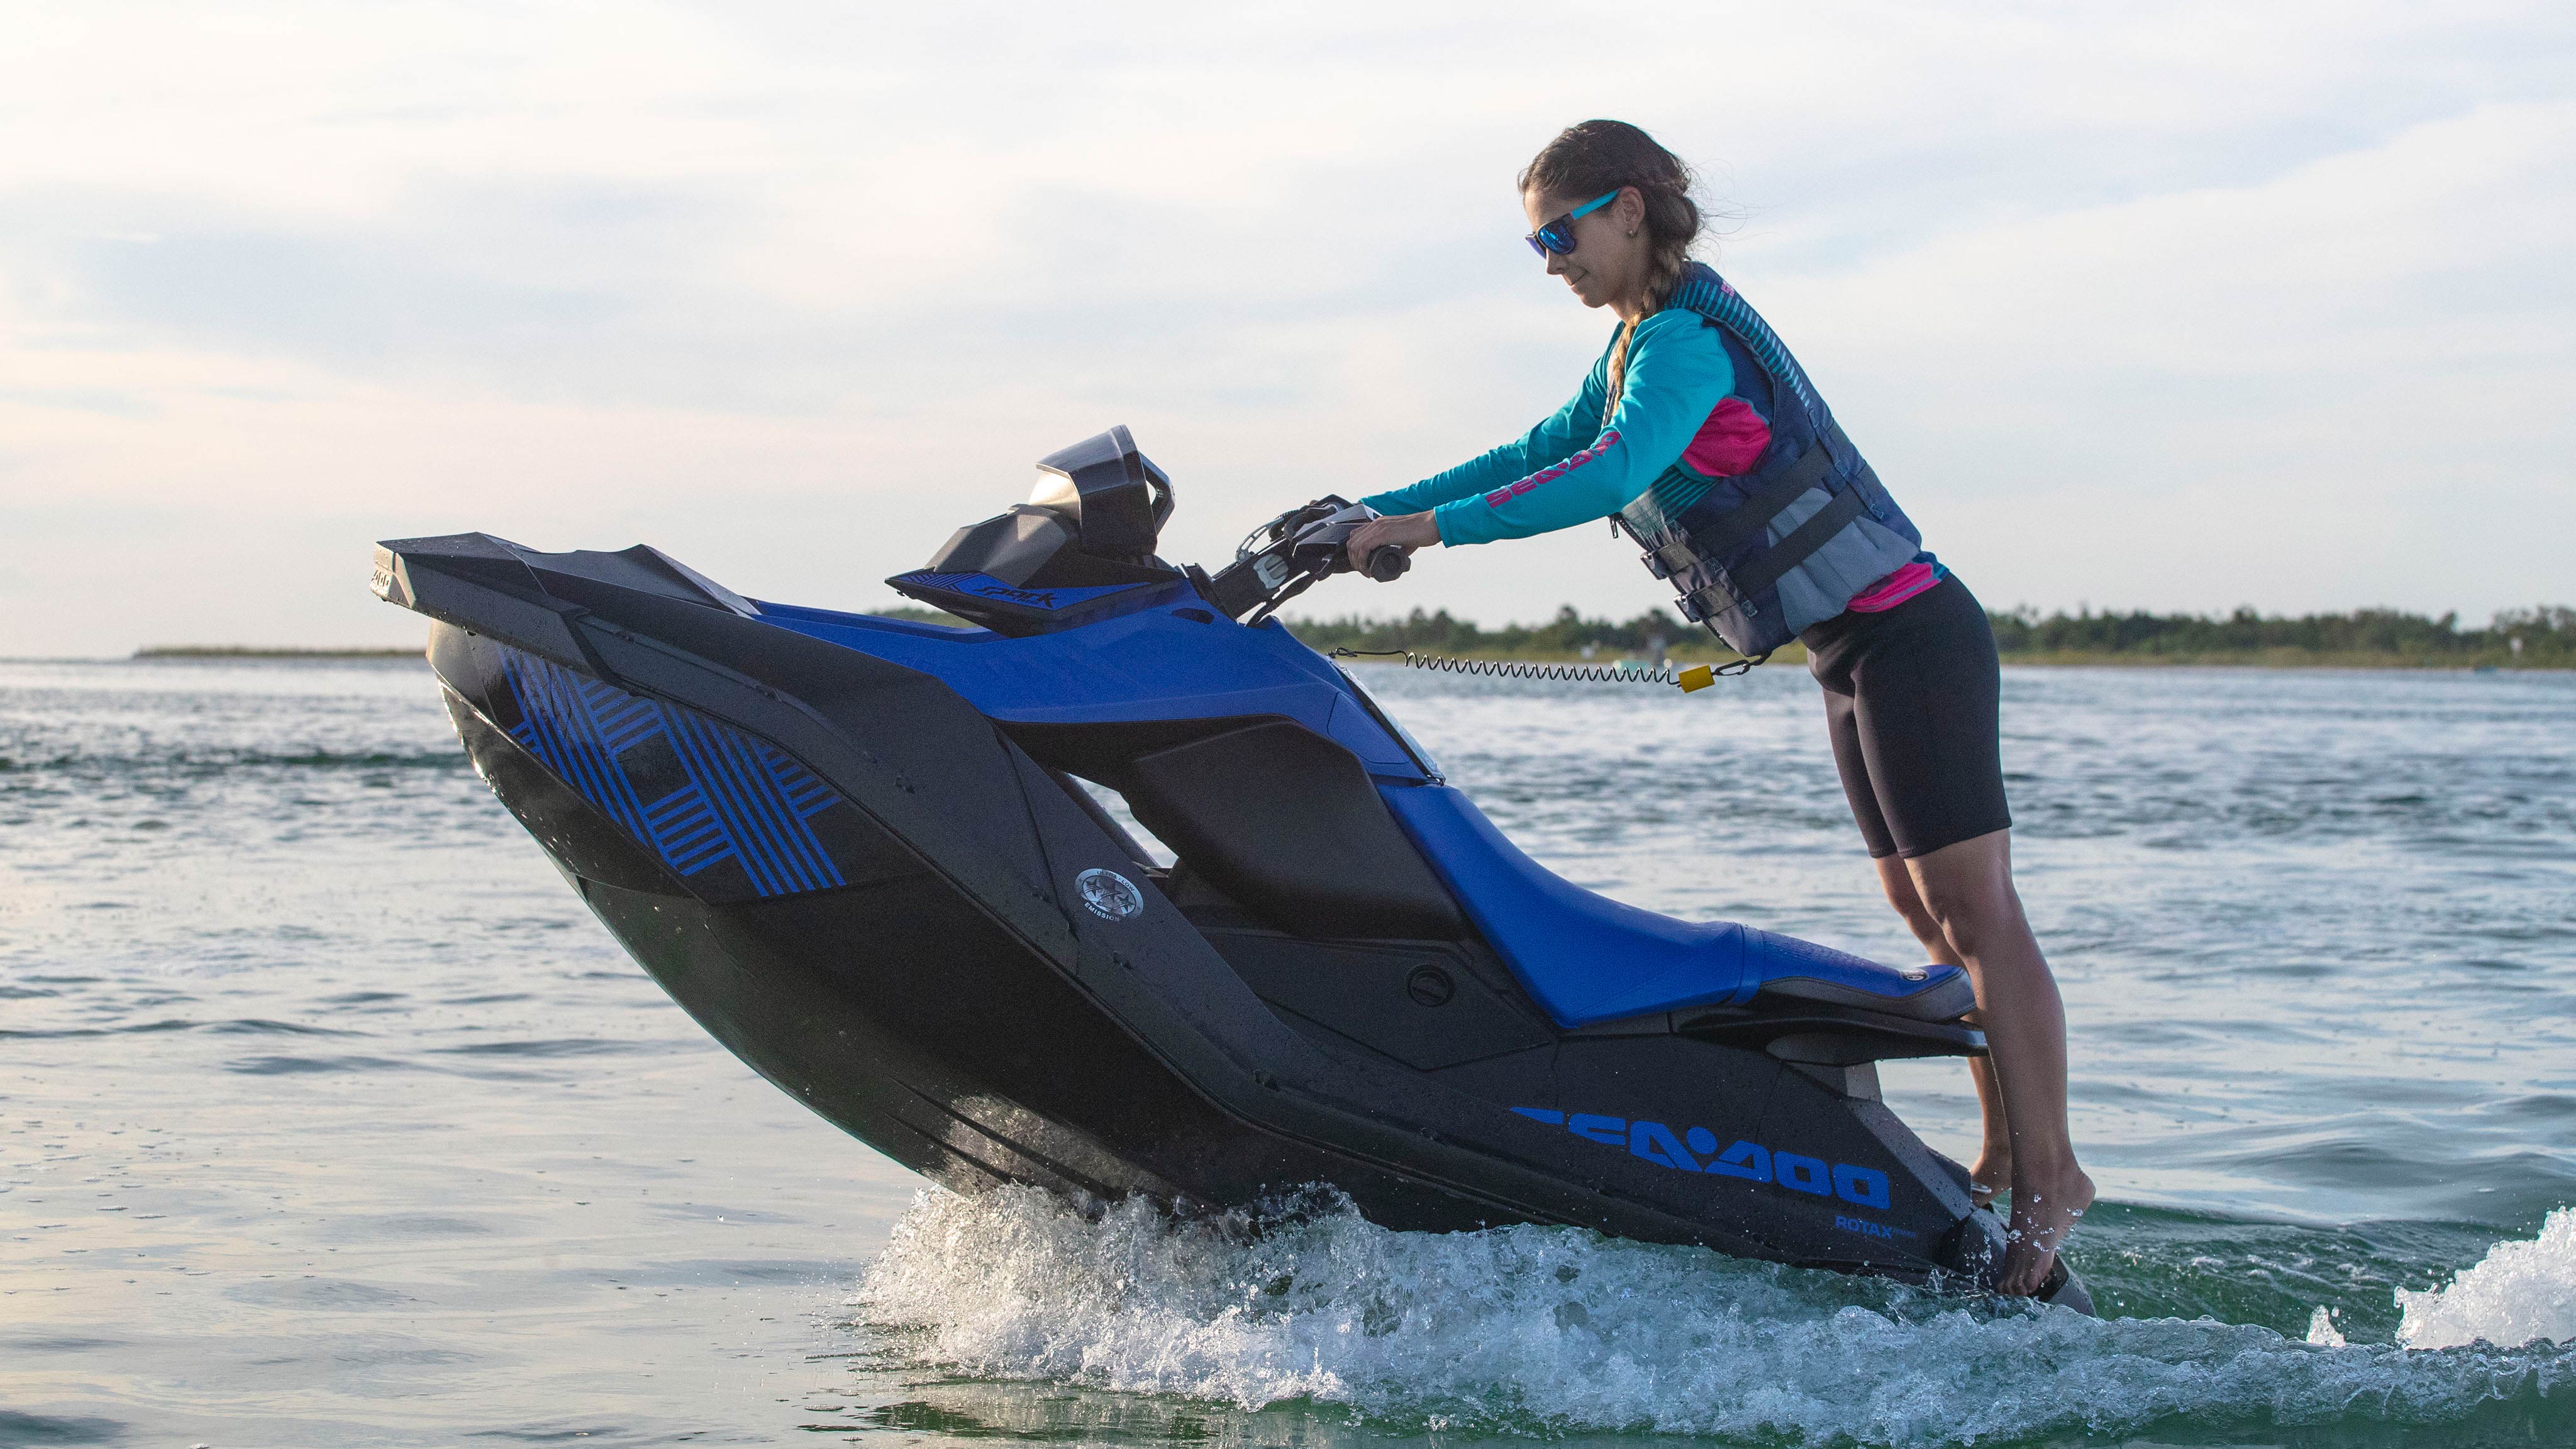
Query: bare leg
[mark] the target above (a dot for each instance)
(1993, 1172)
(1968, 889)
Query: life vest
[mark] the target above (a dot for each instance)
(1759, 556)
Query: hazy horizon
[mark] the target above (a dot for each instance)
(2179, 308)
(221, 648)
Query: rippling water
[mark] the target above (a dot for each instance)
(327, 1116)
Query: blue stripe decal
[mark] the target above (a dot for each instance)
(739, 798)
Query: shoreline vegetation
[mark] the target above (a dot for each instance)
(2536, 638)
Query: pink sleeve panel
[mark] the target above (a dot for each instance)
(1730, 442)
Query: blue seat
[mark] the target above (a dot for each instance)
(1586, 958)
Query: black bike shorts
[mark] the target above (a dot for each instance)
(1911, 702)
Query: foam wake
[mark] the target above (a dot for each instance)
(2520, 1292)
(1551, 1330)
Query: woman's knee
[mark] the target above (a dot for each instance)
(1973, 913)
(1919, 919)
(1967, 887)
(1909, 907)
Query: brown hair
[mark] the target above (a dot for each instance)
(1591, 157)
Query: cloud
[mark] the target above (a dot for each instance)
(2176, 306)
(2332, 386)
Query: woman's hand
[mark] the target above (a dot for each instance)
(1408, 532)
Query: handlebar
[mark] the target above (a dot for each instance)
(1286, 556)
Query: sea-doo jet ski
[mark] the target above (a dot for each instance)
(861, 852)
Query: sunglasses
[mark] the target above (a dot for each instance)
(1558, 235)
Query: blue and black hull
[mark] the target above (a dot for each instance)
(900, 907)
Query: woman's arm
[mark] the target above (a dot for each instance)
(1677, 374)
(1552, 441)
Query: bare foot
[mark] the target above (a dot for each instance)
(1991, 1175)
(2044, 1212)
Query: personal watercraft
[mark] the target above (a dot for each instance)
(867, 855)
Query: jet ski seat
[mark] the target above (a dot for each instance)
(1586, 958)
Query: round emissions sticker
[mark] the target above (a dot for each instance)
(1111, 896)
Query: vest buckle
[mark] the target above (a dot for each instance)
(1655, 563)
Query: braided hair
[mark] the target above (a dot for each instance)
(1591, 157)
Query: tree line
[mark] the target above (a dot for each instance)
(2547, 632)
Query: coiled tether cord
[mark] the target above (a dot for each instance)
(1698, 676)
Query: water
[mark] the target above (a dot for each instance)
(328, 1117)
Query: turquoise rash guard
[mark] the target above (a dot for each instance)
(1571, 469)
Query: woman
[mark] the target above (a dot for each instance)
(1701, 437)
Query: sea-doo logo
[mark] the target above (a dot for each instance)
(1111, 896)
(1860, 1186)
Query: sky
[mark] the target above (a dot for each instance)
(2177, 307)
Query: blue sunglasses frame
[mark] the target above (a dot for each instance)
(1558, 235)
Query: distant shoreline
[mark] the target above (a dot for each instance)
(1692, 652)
(2070, 659)
(2502, 663)
(2541, 638)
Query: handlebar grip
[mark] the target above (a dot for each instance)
(1387, 563)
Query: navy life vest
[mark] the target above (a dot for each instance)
(1759, 556)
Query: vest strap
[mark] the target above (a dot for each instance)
(1759, 575)
(1744, 522)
